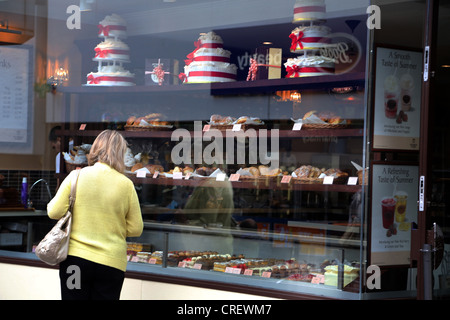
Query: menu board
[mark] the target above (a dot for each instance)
(397, 99)
(15, 100)
(394, 208)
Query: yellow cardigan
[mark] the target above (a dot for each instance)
(106, 211)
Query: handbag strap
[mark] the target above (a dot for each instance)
(73, 190)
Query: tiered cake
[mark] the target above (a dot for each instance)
(308, 39)
(111, 54)
(209, 62)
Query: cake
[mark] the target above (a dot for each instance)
(110, 54)
(110, 75)
(309, 38)
(309, 10)
(307, 66)
(112, 26)
(209, 62)
(112, 50)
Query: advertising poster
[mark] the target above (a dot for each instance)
(397, 100)
(394, 207)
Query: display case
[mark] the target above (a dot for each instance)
(255, 182)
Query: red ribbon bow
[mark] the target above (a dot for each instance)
(183, 77)
(292, 70)
(93, 80)
(99, 53)
(296, 40)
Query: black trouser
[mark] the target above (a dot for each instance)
(82, 279)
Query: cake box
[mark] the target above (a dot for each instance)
(268, 62)
(161, 72)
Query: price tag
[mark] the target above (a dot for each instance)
(197, 266)
(83, 126)
(248, 272)
(155, 175)
(134, 259)
(315, 280)
(229, 270)
(152, 261)
(237, 127)
(297, 126)
(235, 177)
(182, 264)
(321, 278)
(206, 127)
(236, 270)
(141, 174)
(328, 180)
(220, 177)
(266, 274)
(178, 175)
(286, 179)
(352, 181)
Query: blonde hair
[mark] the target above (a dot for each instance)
(109, 147)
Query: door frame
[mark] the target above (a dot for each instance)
(425, 153)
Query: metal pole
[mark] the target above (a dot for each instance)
(427, 272)
(340, 280)
(165, 250)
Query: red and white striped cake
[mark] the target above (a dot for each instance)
(113, 26)
(309, 66)
(209, 62)
(309, 38)
(110, 75)
(309, 10)
(112, 50)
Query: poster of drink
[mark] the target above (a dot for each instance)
(394, 208)
(397, 99)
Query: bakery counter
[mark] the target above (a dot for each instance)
(304, 260)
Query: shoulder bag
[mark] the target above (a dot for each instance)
(54, 247)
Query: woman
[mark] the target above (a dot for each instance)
(106, 211)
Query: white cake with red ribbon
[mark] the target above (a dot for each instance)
(309, 38)
(309, 10)
(112, 50)
(110, 75)
(113, 26)
(110, 54)
(209, 62)
(308, 66)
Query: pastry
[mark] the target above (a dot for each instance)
(154, 168)
(131, 120)
(205, 171)
(137, 166)
(265, 171)
(303, 171)
(187, 169)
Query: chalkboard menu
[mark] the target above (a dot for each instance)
(16, 114)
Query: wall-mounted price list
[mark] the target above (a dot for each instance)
(14, 86)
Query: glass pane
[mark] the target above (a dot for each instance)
(244, 120)
(440, 160)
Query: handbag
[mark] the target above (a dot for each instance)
(54, 247)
